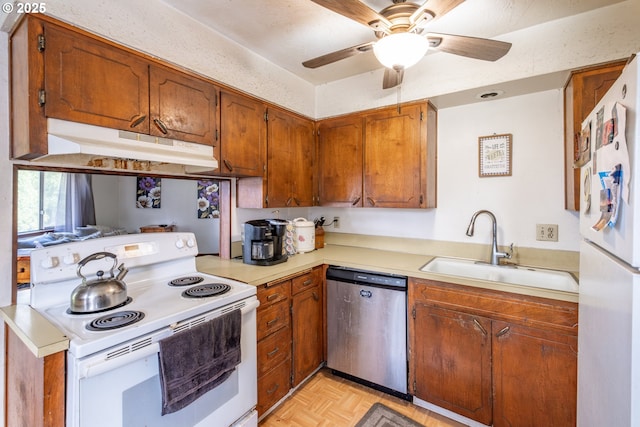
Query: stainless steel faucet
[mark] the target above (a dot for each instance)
(495, 254)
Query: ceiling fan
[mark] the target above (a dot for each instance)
(402, 37)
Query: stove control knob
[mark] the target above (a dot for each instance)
(70, 259)
(49, 262)
(179, 243)
(191, 242)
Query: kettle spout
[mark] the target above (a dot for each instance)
(122, 271)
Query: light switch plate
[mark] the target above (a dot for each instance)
(547, 232)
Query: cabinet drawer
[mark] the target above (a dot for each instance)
(273, 350)
(273, 386)
(273, 318)
(271, 295)
(305, 281)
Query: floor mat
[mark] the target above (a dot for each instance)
(380, 415)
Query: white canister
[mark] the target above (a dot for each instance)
(305, 235)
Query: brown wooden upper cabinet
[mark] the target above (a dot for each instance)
(61, 73)
(582, 92)
(289, 180)
(92, 82)
(383, 158)
(339, 165)
(243, 135)
(182, 107)
(289, 160)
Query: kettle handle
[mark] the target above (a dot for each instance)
(95, 257)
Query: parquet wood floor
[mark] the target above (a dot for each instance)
(326, 400)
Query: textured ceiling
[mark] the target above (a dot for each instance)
(288, 32)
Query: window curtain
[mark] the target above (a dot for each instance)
(75, 203)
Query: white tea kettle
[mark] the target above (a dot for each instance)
(305, 235)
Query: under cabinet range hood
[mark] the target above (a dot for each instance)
(94, 147)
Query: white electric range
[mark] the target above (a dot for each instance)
(112, 373)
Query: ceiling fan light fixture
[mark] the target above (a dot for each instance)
(400, 50)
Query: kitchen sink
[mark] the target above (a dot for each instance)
(518, 275)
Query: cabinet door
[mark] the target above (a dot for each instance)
(242, 136)
(182, 107)
(451, 361)
(340, 161)
(92, 82)
(581, 94)
(535, 376)
(289, 160)
(393, 158)
(307, 333)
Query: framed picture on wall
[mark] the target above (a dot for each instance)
(494, 155)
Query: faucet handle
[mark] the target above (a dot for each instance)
(510, 253)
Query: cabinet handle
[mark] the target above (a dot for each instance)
(315, 296)
(307, 282)
(483, 330)
(161, 126)
(137, 120)
(228, 164)
(503, 331)
(272, 297)
(271, 322)
(288, 202)
(274, 351)
(273, 389)
(356, 201)
(297, 201)
(371, 201)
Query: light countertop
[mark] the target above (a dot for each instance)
(360, 258)
(43, 339)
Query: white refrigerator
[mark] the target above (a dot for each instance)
(609, 299)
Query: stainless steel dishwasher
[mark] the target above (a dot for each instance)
(367, 327)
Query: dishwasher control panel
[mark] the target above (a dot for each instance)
(366, 277)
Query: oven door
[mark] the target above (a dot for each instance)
(121, 386)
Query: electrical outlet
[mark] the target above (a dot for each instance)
(336, 222)
(547, 232)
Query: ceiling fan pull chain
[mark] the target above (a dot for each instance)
(398, 95)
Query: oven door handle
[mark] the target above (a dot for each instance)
(99, 365)
(92, 368)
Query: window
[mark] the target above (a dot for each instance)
(38, 194)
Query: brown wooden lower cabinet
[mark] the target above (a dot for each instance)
(497, 358)
(452, 360)
(307, 329)
(535, 376)
(290, 334)
(35, 387)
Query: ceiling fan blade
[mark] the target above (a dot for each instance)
(472, 47)
(435, 8)
(358, 11)
(392, 78)
(338, 55)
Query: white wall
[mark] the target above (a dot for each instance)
(534, 194)
(6, 201)
(115, 199)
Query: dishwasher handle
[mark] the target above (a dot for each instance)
(365, 294)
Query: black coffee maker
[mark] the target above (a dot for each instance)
(263, 242)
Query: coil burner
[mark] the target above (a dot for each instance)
(186, 281)
(206, 290)
(115, 320)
